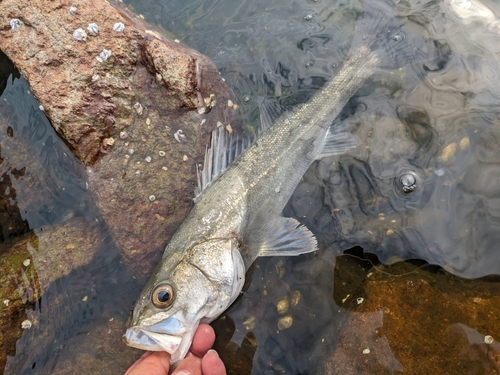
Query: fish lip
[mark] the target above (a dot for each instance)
(142, 338)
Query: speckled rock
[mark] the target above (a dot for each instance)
(28, 270)
(118, 99)
(88, 98)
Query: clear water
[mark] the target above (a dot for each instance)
(436, 120)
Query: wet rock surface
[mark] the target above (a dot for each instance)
(90, 95)
(28, 270)
(413, 319)
(135, 107)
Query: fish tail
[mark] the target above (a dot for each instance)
(379, 29)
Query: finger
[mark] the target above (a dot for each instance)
(188, 366)
(203, 340)
(136, 363)
(157, 363)
(211, 364)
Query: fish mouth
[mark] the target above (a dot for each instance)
(145, 339)
(169, 335)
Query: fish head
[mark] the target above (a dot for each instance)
(183, 292)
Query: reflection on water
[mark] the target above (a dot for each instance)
(422, 185)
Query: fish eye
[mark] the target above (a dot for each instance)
(163, 296)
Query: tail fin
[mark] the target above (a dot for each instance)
(379, 29)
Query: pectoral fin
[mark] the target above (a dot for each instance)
(282, 237)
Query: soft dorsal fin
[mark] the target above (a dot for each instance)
(269, 112)
(338, 139)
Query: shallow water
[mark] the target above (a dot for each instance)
(437, 120)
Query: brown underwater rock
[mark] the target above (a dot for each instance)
(139, 119)
(32, 263)
(408, 320)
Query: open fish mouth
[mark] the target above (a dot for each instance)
(145, 339)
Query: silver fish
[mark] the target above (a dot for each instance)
(238, 214)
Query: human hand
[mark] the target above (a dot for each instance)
(199, 361)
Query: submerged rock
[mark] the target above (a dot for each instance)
(31, 264)
(414, 321)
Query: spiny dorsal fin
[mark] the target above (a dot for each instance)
(224, 148)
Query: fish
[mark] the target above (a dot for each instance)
(237, 215)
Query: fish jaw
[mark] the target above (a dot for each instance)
(169, 335)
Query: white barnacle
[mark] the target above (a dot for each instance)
(26, 324)
(119, 27)
(123, 135)
(161, 153)
(138, 108)
(6, 302)
(180, 136)
(26, 262)
(72, 9)
(148, 159)
(104, 55)
(80, 35)
(41, 107)
(15, 23)
(152, 198)
(93, 28)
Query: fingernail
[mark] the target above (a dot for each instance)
(182, 373)
(213, 351)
